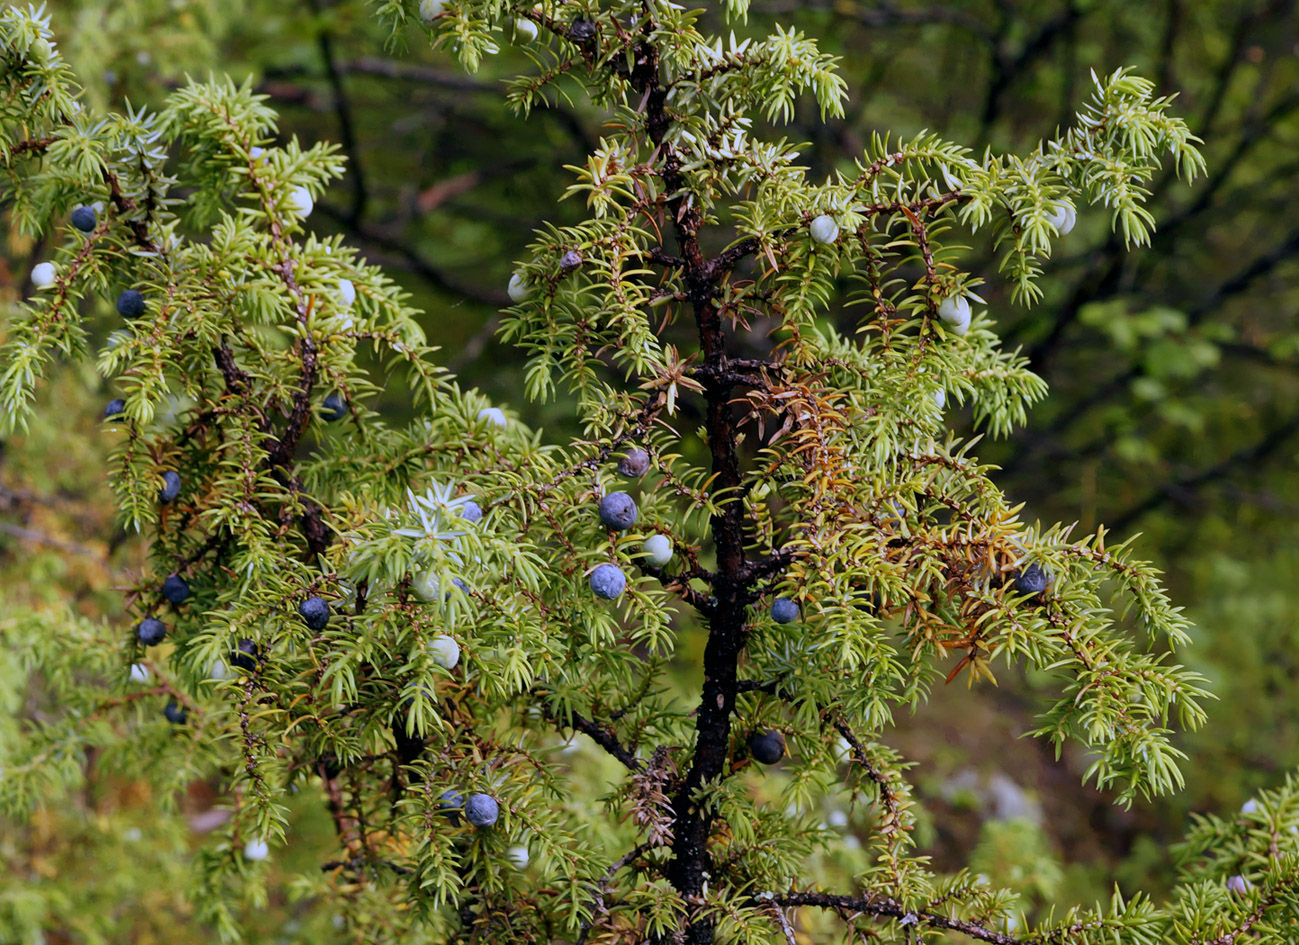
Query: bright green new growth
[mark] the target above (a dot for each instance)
(822, 472)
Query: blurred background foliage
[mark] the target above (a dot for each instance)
(1173, 407)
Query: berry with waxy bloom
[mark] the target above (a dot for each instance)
(518, 854)
(84, 219)
(300, 203)
(955, 313)
(130, 303)
(518, 289)
(346, 292)
(170, 486)
(635, 464)
(151, 631)
(445, 651)
(471, 511)
(1239, 885)
(256, 850)
(333, 408)
(1063, 217)
(618, 511)
(114, 409)
(1032, 580)
(657, 550)
(244, 655)
(175, 589)
(492, 415)
(784, 610)
(824, 229)
(175, 713)
(767, 747)
(582, 31)
(139, 673)
(450, 804)
(607, 581)
(570, 261)
(481, 810)
(525, 31)
(430, 10)
(43, 274)
(315, 613)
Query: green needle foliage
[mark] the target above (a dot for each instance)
(465, 654)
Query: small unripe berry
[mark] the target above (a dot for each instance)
(43, 274)
(151, 631)
(315, 612)
(492, 415)
(84, 219)
(170, 486)
(114, 409)
(175, 589)
(657, 550)
(429, 10)
(333, 408)
(618, 511)
(481, 810)
(607, 581)
(525, 31)
(570, 261)
(219, 671)
(1063, 218)
(784, 610)
(955, 313)
(244, 655)
(767, 747)
(346, 292)
(1239, 885)
(445, 651)
(256, 850)
(518, 289)
(130, 304)
(175, 713)
(139, 673)
(518, 854)
(940, 398)
(1031, 580)
(471, 511)
(1249, 807)
(300, 203)
(635, 464)
(824, 229)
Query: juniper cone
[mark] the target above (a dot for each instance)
(481, 810)
(151, 631)
(618, 511)
(570, 260)
(244, 655)
(114, 409)
(130, 304)
(333, 408)
(84, 219)
(767, 747)
(634, 464)
(607, 581)
(315, 612)
(471, 511)
(450, 804)
(582, 31)
(1032, 580)
(175, 713)
(175, 589)
(170, 486)
(784, 610)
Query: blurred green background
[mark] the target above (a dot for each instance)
(1173, 407)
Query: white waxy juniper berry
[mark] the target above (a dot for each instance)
(139, 673)
(940, 398)
(518, 855)
(618, 511)
(607, 581)
(1239, 885)
(955, 313)
(444, 651)
(1249, 807)
(84, 219)
(346, 292)
(315, 613)
(256, 850)
(518, 290)
(494, 416)
(657, 550)
(784, 610)
(151, 631)
(634, 464)
(300, 203)
(525, 31)
(219, 671)
(767, 747)
(824, 229)
(43, 275)
(175, 589)
(430, 10)
(1063, 218)
(482, 810)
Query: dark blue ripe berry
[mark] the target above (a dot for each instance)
(329, 766)
(315, 612)
(450, 804)
(471, 511)
(618, 511)
(767, 747)
(784, 610)
(244, 655)
(1032, 580)
(130, 304)
(170, 486)
(114, 409)
(151, 630)
(175, 589)
(333, 408)
(84, 219)
(481, 810)
(175, 713)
